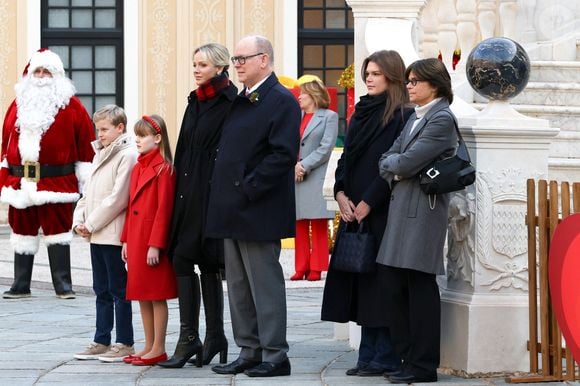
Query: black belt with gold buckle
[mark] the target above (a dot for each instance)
(33, 171)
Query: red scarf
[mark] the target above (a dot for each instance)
(210, 89)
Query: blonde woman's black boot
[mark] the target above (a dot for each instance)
(189, 343)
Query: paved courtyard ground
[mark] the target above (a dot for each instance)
(39, 335)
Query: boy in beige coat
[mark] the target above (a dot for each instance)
(99, 218)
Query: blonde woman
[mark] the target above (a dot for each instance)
(318, 131)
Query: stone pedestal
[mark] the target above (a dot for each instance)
(383, 25)
(485, 297)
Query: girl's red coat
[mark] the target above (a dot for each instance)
(147, 223)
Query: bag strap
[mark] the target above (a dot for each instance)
(363, 227)
(462, 151)
(353, 227)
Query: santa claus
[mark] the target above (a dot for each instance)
(46, 157)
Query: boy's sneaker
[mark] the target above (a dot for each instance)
(94, 351)
(117, 352)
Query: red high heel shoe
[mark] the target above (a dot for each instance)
(150, 361)
(313, 276)
(300, 275)
(130, 358)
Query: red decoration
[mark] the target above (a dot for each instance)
(563, 268)
(349, 104)
(456, 58)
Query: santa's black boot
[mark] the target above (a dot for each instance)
(59, 259)
(22, 274)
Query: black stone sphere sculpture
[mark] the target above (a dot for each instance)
(498, 68)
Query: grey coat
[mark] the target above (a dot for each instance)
(415, 234)
(315, 149)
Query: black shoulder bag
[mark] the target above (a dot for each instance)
(450, 174)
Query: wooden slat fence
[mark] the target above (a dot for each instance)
(549, 360)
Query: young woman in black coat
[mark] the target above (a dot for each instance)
(195, 154)
(362, 194)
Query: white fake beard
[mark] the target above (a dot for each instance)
(38, 101)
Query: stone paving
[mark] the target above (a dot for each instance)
(39, 335)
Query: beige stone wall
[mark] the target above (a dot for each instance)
(157, 51)
(171, 29)
(11, 13)
(9, 36)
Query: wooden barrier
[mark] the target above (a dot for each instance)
(549, 360)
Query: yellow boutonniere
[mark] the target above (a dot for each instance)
(254, 97)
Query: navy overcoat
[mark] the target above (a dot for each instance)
(252, 187)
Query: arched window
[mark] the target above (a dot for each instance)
(88, 36)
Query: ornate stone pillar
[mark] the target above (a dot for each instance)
(485, 298)
(430, 28)
(447, 37)
(467, 34)
(486, 18)
(383, 24)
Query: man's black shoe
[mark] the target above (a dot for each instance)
(390, 373)
(269, 369)
(409, 378)
(354, 370)
(236, 367)
(10, 294)
(370, 371)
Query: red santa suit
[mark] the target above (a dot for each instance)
(57, 135)
(46, 156)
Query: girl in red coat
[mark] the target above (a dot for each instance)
(150, 277)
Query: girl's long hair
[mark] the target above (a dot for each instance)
(393, 69)
(143, 128)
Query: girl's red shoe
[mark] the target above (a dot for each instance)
(130, 358)
(150, 361)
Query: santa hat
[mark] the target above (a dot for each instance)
(47, 59)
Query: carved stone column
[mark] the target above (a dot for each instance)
(447, 37)
(467, 35)
(430, 28)
(486, 18)
(485, 298)
(508, 10)
(383, 24)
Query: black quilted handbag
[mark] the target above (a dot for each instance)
(355, 249)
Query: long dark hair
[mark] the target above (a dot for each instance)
(393, 69)
(433, 71)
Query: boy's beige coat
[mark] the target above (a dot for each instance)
(102, 206)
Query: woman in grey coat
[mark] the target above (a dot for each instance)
(318, 132)
(411, 251)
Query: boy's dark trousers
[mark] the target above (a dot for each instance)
(109, 284)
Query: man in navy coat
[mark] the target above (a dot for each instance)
(251, 207)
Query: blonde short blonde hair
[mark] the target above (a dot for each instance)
(317, 92)
(112, 113)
